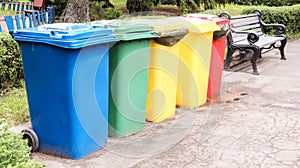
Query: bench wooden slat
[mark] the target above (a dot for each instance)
(10, 23)
(30, 20)
(263, 41)
(238, 37)
(34, 19)
(18, 22)
(23, 21)
(39, 17)
(22, 6)
(247, 28)
(3, 6)
(246, 21)
(243, 16)
(43, 16)
(16, 6)
(258, 31)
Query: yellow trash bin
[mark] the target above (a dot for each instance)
(163, 72)
(162, 83)
(194, 63)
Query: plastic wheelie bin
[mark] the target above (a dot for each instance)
(217, 56)
(164, 61)
(129, 70)
(194, 64)
(66, 76)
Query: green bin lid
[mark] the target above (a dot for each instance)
(126, 30)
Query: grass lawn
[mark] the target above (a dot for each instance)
(6, 13)
(14, 107)
(231, 9)
(119, 3)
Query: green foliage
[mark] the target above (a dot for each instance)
(14, 107)
(97, 12)
(139, 5)
(59, 6)
(266, 2)
(14, 152)
(287, 15)
(11, 70)
(231, 8)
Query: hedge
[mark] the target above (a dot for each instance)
(287, 15)
(11, 70)
(266, 2)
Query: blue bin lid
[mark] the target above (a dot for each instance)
(66, 35)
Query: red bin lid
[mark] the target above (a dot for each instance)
(215, 18)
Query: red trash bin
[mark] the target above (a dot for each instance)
(218, 51)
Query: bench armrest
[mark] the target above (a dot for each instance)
(252, 37)
(280, 28)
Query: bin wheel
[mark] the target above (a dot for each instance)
(31, 138)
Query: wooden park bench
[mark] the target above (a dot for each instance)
(248, 37)
(23, 21)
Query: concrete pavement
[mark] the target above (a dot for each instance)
(258, 125)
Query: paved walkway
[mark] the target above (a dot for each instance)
(258, 126)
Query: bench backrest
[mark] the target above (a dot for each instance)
(16, 6)
(33, 19)
(245, 23)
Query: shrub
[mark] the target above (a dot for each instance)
(287, 15)
(14, 152)
(139, 5)
(98, 12)
(11, 70)
(266, 2)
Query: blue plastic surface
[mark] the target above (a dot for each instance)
(67, 93)
(66, 35)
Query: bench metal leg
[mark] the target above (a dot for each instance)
(256, 54)
(281, 48)
(228, 59)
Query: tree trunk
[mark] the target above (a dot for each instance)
(76, 11)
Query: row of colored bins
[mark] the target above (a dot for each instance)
(72, 70)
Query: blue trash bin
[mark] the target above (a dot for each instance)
(66, 76)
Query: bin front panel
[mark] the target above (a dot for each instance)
(216, 68)
(194, 64)
(161, 101)
(129, 66)
(68, 112)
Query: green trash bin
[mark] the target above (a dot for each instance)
(129, 67)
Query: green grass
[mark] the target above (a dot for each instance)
(119, 3)
(14, 107)
(6, 13)
(230, 8)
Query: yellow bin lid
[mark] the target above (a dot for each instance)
(195, 25)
